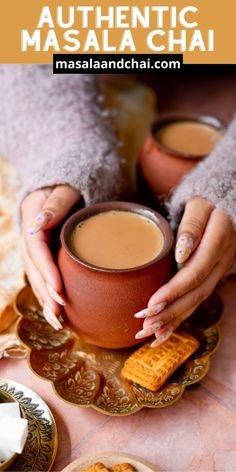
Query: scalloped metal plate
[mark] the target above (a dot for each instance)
(89, 376)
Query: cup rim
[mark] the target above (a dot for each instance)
(167, 118)
(142, 210)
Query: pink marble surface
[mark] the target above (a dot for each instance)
(195, 434)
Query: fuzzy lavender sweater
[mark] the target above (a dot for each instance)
(54, 130)
(214, 179)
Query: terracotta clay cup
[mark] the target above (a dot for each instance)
(101, 303)
(163, 168)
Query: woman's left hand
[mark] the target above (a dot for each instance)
(206, 246)
(42, 210)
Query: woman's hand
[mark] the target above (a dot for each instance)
(206, 246)
(42, 210)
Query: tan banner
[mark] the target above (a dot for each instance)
(203, 30)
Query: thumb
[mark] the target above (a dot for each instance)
(56, 207)
(191, 228)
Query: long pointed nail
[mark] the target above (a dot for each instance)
(51, 318)
(55, 295)
(161, 339)
(184, 247)
(150, 330)
(41, 220)
(154, 310)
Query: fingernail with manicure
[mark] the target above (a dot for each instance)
(41, 220)
(55, 295)
(184, 247)
(154, 310)
(161, 339)
(150, 330)
(51, 318)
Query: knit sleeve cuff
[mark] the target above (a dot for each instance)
(95, 183)
(212, 189)
(213, 179)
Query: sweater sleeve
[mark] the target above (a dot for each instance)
(214, 179)
(52, 128)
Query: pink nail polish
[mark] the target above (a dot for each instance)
(153, 310)
(51, 318)
(33, 230)
(55, 295)
(41, 220)
(50, 322)
(142, 313)
(161, 339)
(150, 330)
(184, 247)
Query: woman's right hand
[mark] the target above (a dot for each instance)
(206, 248)
(42, 210)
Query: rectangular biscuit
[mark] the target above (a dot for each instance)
(150, 367)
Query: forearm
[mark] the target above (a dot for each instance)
(55, 133)
(213, 179)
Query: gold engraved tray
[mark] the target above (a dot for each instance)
(89, 376)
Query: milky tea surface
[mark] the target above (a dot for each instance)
(116, 240)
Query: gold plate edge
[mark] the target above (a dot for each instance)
(96, 408)
(100, 410)
(20, 385)
(107, 455)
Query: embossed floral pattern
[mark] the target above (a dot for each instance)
(41, 445)
(86, 375)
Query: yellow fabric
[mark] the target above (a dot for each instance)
(11, 267)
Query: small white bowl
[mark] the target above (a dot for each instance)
(4, 465)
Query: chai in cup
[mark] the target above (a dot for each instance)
(191, 138)
(113, 257)
(117, 240)
(174, 147)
